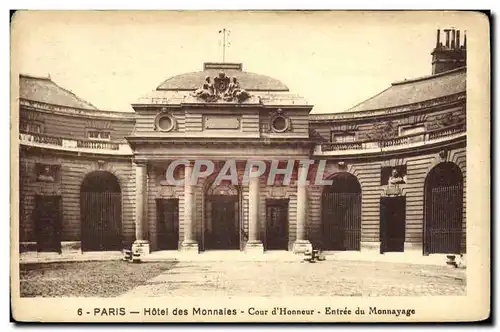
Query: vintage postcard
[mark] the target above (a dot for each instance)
(250, 166)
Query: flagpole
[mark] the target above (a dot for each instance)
(224, 45)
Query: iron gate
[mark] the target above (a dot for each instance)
(443, 228)
(341, 220)
(101, 221)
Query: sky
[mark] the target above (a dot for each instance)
(332, 59)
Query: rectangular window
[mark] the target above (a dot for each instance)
(98, 134)
(23, 127)
(93, 134)
(104, 135)
(343, 137)
(30, 127)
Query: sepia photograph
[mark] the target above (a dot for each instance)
(250, 166)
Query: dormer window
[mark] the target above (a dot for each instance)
(99, 134)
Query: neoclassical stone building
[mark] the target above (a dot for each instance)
(95, 180)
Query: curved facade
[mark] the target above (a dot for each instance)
(395, 165)
(413, 139)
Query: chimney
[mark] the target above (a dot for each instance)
(450, 56)
(447, 32)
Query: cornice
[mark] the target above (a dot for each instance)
(214, 141)
(75, 112)
(370, 157)
(47, 150)
(425, 106)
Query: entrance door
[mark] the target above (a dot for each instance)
(167, 227)
(392, 224)
(47, 217)
(100, 212)
(277, 224)
(225, 229)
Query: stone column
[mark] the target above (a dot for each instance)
(301, 244)
(141, 244)
(189, 243)
(253, 243)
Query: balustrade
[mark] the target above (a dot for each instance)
(36, 138)
(97, 145)
(342, 146)
(447, 131)
(40, 138)
(396, 141)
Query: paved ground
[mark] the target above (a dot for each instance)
(328, 278)
(237, 274)
(84, 279)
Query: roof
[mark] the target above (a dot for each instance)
(43, 89)
(416, 90)
(248, 81)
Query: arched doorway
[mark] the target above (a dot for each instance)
(222, 217)
(443, 209)
(100, 212)
(341, 213)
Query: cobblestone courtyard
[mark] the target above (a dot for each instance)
(328, 278)
(240, 278)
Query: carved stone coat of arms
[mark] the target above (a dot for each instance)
(223, 88)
